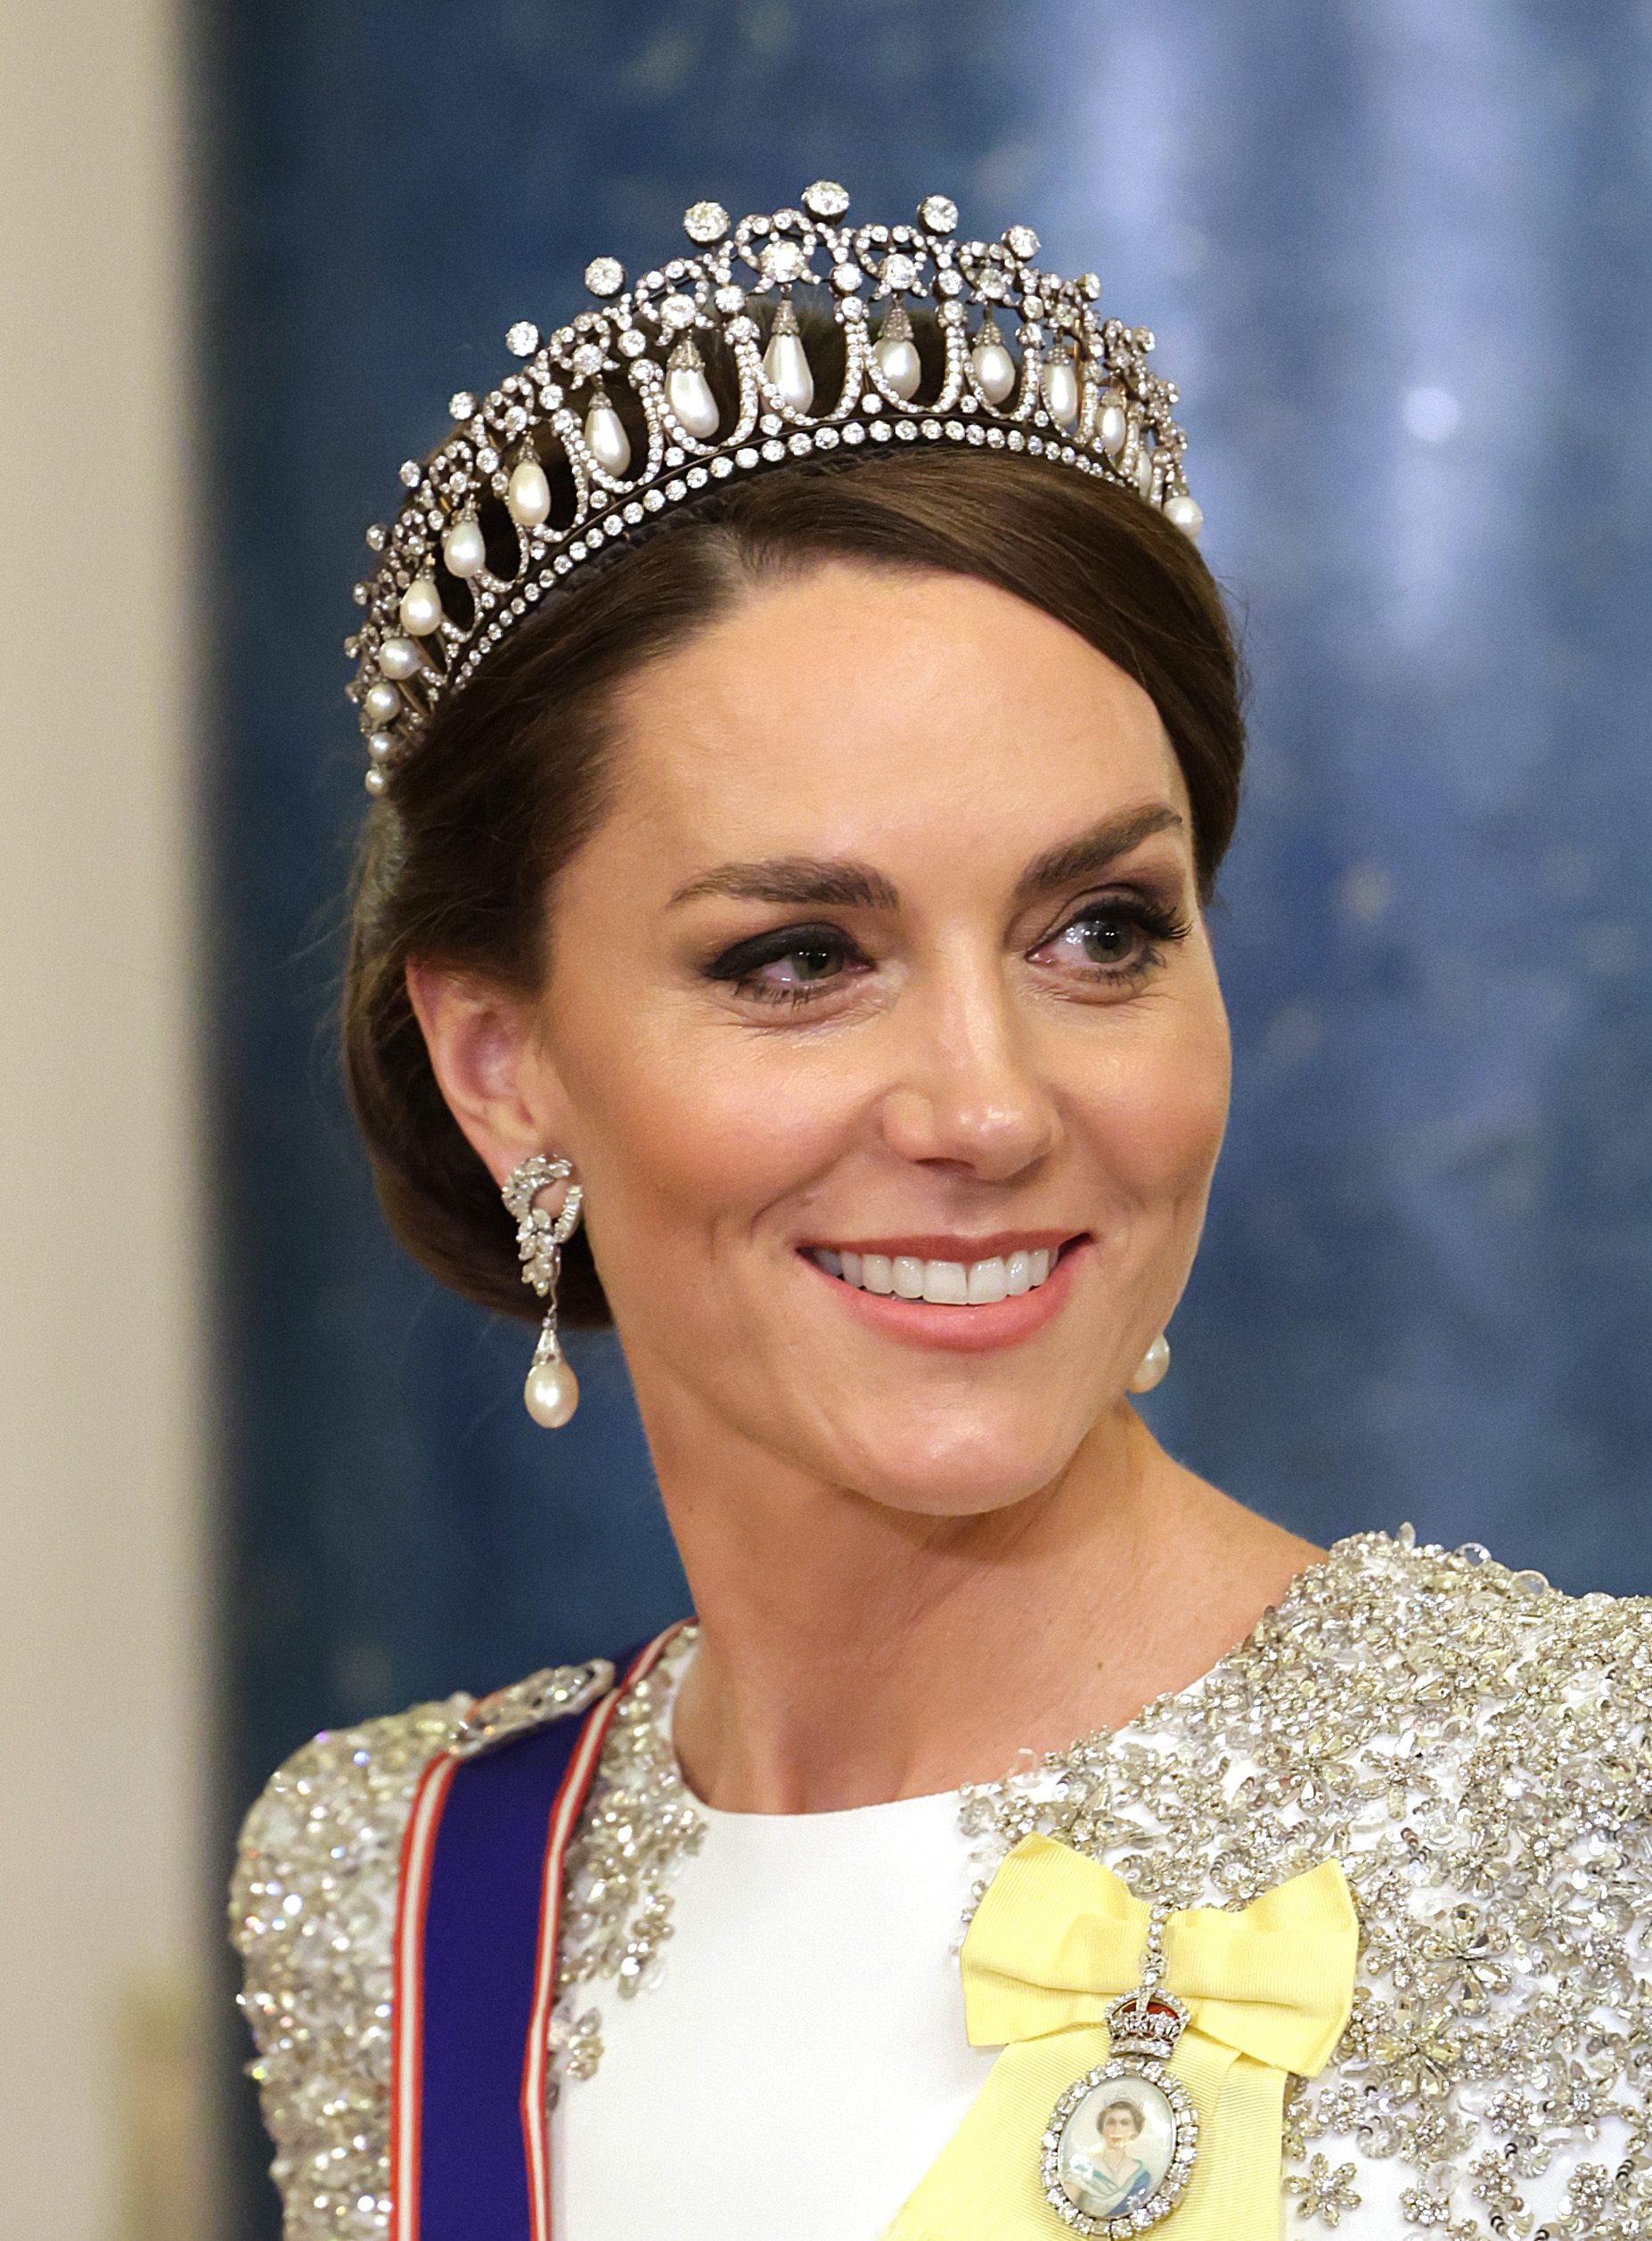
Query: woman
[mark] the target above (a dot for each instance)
(801, 762)
(1112, 2178)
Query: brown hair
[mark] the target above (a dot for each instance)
(510, 776)
(1137, 2118)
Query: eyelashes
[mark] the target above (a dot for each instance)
(1115, 941)
(1098, 934)
(815, 959)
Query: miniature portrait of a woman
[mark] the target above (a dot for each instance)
(1112, 2175)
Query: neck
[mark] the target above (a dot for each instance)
(852, 1654)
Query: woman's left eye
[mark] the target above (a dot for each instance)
(1108, 941)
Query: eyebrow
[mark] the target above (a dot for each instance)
(842, 883)
(1097, 850)
(832, 883)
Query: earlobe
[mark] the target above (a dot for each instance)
(489, 1064)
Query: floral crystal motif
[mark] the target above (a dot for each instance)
(638, 1828)
(560, 1692)
(1471, 1745)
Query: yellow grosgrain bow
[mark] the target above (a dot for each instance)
(1056, 1940)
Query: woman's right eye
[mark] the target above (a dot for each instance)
(793, 965)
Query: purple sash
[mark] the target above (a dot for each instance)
(476, 1963)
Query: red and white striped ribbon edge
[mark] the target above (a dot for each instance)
(418, 1856)
(569, 1799)
(407, 2095)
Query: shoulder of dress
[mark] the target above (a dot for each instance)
(1488, 1789)
(337, 1806)
(1465, 1647)
(312, 1904)
(1465, 1597)
(335, 1813)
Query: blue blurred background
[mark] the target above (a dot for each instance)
(1396, 254)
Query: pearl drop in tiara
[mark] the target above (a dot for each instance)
(539, 476)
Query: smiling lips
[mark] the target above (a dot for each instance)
(942, 1283)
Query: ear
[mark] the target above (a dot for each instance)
(489, 1055)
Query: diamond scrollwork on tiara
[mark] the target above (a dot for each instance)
(539, 476)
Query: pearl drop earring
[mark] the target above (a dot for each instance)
(1151, 1368)
(551, 1392)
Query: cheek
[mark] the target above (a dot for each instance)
(685, 1148)
(1153, 1115)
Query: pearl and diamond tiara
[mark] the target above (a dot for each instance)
(541, 476)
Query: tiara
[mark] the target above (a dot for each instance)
(540, 478)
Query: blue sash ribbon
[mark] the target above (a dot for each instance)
(481, 1947)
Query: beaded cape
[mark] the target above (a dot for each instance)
(1470, 1743)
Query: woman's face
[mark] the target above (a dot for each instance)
(889, 949)
(1118, 2131)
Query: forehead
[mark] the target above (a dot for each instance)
(854, 709)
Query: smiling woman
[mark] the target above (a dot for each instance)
(810, 899)
(848, 1020)
(508, 782)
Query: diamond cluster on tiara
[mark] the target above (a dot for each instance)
(450, 583)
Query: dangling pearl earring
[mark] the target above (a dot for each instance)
(1151, 1368)
(552, 1390)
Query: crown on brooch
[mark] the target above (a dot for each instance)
(1146, 2024)
(541, 476)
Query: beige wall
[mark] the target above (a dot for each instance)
(104, 1890)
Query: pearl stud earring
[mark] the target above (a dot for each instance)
(1151, 1368)
(551, 1392)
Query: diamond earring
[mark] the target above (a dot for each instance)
(1151, 1368)
(552, 1390)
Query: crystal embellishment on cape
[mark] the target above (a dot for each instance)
(1470, 1745)
(313, 1912)
(639, 1826)
(560, 1692)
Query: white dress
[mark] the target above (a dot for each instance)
(767, 2010)
(811, 1985)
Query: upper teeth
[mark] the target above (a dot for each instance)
(948, 1283)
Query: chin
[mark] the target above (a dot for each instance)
(962, 1464)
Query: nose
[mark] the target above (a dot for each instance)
(969, 1093)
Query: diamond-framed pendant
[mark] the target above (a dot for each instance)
(1121, 2141)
